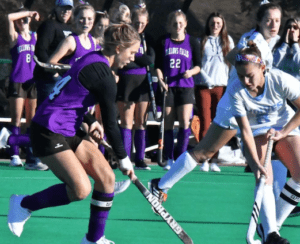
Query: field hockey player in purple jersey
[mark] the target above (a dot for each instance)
(177, 59)
(81, 41)
(22, 45)
(133, 93)
(58, 142)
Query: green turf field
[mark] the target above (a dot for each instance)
(213, 208)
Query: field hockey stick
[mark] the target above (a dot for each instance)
(258, 199)
(161, 211)
(52, 67)
(161, 133)
(149, 77)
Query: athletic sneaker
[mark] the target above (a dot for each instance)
(204, 167)
(157, 192)
(102, 240)
(121, 186)
(17, 216)
(275, 238)
(295, 212)
(169, 164)
(214, 167)
(4, 135)
(36, 166)
(15, 161)
(141, 165)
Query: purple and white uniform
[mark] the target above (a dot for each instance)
(80, 51)
(22, 59)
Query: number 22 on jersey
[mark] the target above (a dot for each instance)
(58, 86)
(175, 63)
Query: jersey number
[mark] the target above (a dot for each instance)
(28, 58)
(58, 86)
(175, 63)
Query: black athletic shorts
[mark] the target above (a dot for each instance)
(45, 142)
(133, 88)
(16, 90)
(177, 96)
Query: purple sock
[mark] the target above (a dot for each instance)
(19, 140)
(14, 149)
(51, 197)
(126, 137)
(182, 141)
(100, 206)
(101, 147)
(140, 144)
(169, 143)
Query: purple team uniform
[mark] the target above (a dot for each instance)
(22, 59)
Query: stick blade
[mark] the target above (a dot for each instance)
(185, 238)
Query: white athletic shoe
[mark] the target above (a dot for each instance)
(36, 166)
(214, 167)
(15, 161)
(17, 216)
(102, 240)
(204, 167)
(4, 135)
(121, 186)
(169, 164)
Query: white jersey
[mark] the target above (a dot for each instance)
(265, 48)
(270, 109)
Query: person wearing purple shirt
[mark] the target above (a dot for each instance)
(66, 150)
(100, 25)
(133, 93)
(22, 45)
(177, 59)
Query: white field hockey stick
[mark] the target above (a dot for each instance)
(258, 199)
(158, 207)
(52, 67)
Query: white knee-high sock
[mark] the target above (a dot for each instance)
(182, 166)
(279, 175)
(268, 211)
(289, 198)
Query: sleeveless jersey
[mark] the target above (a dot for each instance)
(137, 71)
(22, 59)
(63, 111)
(80, 51)
(177, 59)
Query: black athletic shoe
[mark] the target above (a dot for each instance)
(295, 212)
(141, 165)
(157, 192)
(274, 238)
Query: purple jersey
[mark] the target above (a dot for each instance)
(80, 51)
(22, 59)
(62, 112)
(98, 47)
(136, 71)
(177, 59)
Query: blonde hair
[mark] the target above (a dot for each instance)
(82, 7)
(173, 15)
(120, 35)
(120, 15)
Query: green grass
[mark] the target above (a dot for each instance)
(213, 208)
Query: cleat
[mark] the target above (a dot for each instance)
(157, 192)
(141, 165)
(275, 238)
(121, 186)
(260, 231)
(295, 212)
(4, 135)
(204, 167)
(17, 216)
(214, 167)
(16, 161)
(102, 240)
(34, 163)
(169, 164)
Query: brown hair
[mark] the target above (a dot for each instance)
(138, 12)
(225, 43)
(120, 34)
(173, 15)
(250, 49)
(263, 10)
(101, 15)
(120, 14)
(82, 7)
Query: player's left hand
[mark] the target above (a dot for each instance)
(275, 134)
(96, 131)
(187, 74)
